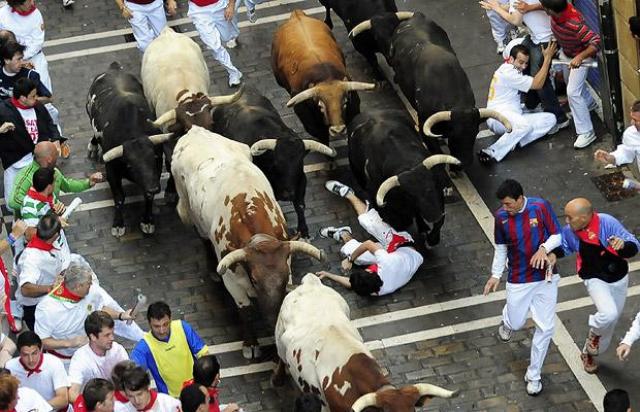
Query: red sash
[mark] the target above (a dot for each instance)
(119, 396)
(79, 405)
(204, 3)
(396, 242)
(36, 369)
(214, 405)
(7, 301)
(591, 235)
(35, 195)
(38, 243)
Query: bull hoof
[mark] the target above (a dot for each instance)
(147, 228)
(251, 352)
(171, 198)
(117, 231)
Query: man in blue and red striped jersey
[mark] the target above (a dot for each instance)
(522, 226)
(579, 44)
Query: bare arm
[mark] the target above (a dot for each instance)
(31, 290)
(74, 392)
(366, 246)
(75, 342)
(543, 73)
(61, 400)
(7, 351)
(341, 280)
(514, 18)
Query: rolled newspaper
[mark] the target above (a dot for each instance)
(593, 64)
(73, 206)
(141, 301)
(631, 184)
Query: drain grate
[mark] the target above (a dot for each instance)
(610, 186)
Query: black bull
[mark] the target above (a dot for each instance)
(277, 150)
(430, 75)
(403, 184)
(120, 115)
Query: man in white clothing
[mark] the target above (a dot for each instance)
(216, 23)
(499, 26)
(60, 316)
(147, 19)
(40, 371)
(389, 264)
(504, 95)
(136, 384)
(629, 150)
(97, 358)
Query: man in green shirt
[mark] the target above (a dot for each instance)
(46, 155)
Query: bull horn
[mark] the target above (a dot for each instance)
(387, 185)
(364, 26)
(114, 153)
(231, 258)
(349, 86)
(302, 96)
(365, 401)
(439, 159)
(315, 146)
(433, 119)
(228, 99)
(168, 117)
(297, 246)
(426, 389)
(262, 146)
(160, 138)
(496, 115)
(404, 15)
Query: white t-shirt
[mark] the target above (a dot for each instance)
(86, 365)
(31, 401)
(52, 377)
(163, 403)
(397, 268)
(505, 88)
(40, 268)
(30, 122)
(538, 22)
(59, 319)
(29, 30)
(630, 147)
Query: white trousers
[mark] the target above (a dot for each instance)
(499, 26)
(215, 29)
(10, 176)
(526, 128)
(41, 65)
(580, 98)
(251, 5)
(376, 227)
(609, 299)
(147, 22)
(540, 298)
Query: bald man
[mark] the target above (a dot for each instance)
(46, 155)
(602, 245)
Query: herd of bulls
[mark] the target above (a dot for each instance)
(232, 157)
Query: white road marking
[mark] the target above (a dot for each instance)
(132, 45)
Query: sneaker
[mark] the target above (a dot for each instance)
(564, 124)
(500, 48)
(232, 44)
(555, 129)
(338, 188)
(592, 344)
(534, 387)
(585, 139)
(251, 15)
(235, 79)
(485, 158)
(589, 363)
(67, 3)
(334, 232)
(65, 150)
(504, 333)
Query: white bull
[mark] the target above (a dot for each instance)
(230, 202)
(325, 355)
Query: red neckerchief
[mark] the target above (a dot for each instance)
(62, 293)
(591, 235)
(79, 405)
(36, 369)
(154, 396)
(38, 243)
(569, 13)
(35, 195)
(119, 396)
(396, 242)
(7, 302)
(24, 13)
(16, 103)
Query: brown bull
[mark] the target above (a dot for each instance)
(307, 61)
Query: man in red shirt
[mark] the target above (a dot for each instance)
(579, 45)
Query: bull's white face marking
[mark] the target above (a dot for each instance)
(202, 109)
(342, 390)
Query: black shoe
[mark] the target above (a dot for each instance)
(486, 159)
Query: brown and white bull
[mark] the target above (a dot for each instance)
(230, 202)
(307, 61)
(325, 355)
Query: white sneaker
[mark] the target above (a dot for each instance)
(67, 3)
(232, 44)
(585, 139)
(235, 79)
(564, 124)
(251, 15)
(533, 387)
(334, 232)
(504, 333)
(338, 188)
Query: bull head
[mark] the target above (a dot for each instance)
(401, 400)
(366, 25)
(445, 116)
(332, 98)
